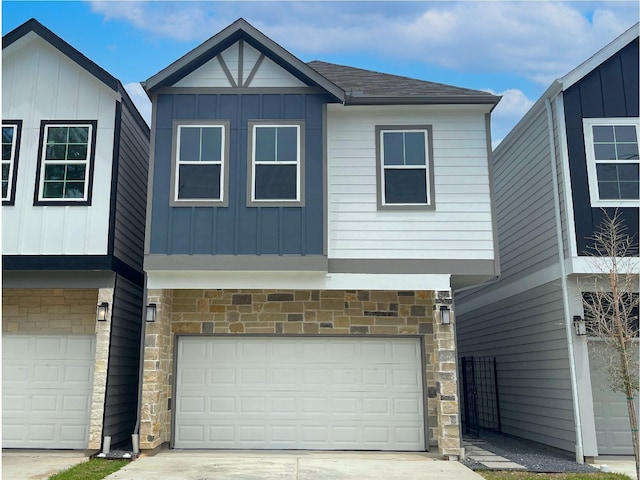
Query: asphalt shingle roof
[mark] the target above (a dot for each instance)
(366, 83)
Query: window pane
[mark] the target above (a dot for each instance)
(75, 172)
(6, 151)
(405, 186)
(199, 181)
(608, 190)
(74, 190)
(56, 152)
(189, 144)
(287, 144)
(630, 190)
(53, 189)
(607, 172)
(54, 172)
(628, 172)
(626, 133)
(627, 151)
(276, 182)
(78, 134)
(605, 151)
(57, 134)
(414, 148)
(265, 144)
(393, 148)
(77, 152)
(5, 172)
(5, 188)
(603, 133)
(211, 144)
(7, 135)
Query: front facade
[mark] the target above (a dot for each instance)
(74, 173)
(573, 157)
(306, 222)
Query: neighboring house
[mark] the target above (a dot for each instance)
(74, 182)
(573, 154)
(305, 224)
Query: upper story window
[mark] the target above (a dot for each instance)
(65, 170)
(405, 167)
(276, 163)
(11, 130)
(612, 160)
(200, 163)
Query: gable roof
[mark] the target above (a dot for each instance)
(366, 87)
(43, 32)
(239, 30)
(600, 57)
(351, 86)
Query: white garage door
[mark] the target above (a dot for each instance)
(299, 393)
(47, 382)
(613, 433)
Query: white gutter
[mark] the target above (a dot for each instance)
(565, 290)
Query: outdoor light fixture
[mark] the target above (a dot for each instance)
(445, 315)
(580, 325)
(102, 312)
(151, 313)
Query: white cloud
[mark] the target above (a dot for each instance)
(507, 114)
(140, 100)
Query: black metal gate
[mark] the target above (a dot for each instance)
(480, 404)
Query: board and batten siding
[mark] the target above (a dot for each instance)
(460, 227)
(121, 397)
(40, 83)
(526, 334)
(131, 188)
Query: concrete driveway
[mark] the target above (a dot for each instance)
(38, 464)
(216, 465)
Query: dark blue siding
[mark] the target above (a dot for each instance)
(238, 229)
(611, 90)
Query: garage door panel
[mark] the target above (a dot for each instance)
(312, 401)
(46, 393)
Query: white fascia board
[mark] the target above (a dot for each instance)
(599, 57)
(600, 265)
(294, 280)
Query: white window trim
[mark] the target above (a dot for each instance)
(88, 162)
(428, 166)
(12, 160)
(299, 163)
(224, 156)
(587, 124)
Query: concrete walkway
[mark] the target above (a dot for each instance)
(213, 465)
(38, 464)
(626, 465)
(475, 452)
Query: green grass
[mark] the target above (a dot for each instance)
(94, 469)
(494, 475)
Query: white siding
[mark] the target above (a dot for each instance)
(40, 83)
(460, 227)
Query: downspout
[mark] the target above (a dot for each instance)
(135, 437)
(565, 290)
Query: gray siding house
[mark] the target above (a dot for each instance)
(552, 188)
(306, 222)
(74, 179)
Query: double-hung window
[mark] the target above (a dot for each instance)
(405, 169)
(200, 163)
(66, 152)
(613, 163)
(11, 130)
(276, 163)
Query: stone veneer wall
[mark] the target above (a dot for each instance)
(308, 312)
(59, 310)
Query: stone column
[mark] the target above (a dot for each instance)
(103, 336)
(446, 376)
(158, 366)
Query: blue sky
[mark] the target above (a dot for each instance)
(512, 48)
